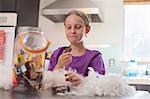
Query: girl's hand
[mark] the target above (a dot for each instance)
(73, 78)
(64, 60)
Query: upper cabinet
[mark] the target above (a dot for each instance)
(27, 10)
(8, 5)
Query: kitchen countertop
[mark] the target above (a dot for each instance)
(45, 94)
(145, 80)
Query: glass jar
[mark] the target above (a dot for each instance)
(29, 57)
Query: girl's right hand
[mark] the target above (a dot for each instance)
(64, 60)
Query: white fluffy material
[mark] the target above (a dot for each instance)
(5, 77)
(55, 78)
(93, 84)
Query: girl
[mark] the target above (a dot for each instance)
(76, 56)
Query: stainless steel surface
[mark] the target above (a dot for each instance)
(58, 10)
(47, 95)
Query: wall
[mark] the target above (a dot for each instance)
(108, 32)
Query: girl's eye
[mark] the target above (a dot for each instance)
(78, 26)
(68, 27)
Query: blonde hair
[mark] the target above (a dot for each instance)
(80, 14)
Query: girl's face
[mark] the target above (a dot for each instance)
(74, 28)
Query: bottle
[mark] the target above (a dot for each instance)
(148, 70)
(29, 57)
(132, 69)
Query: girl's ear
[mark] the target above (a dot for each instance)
(88, 28)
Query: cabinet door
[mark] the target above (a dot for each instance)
(28, 12)
(7, 5)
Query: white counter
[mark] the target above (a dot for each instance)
(139, 80)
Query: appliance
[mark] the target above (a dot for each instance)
(7, 34)
(58, 10)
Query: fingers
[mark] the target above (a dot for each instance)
(76, 83)
(66, 62)
(64, 59)
(67, 50)
(66, 56)
(73, 78)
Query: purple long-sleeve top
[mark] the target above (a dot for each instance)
(91, 58)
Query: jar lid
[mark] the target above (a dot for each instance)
(33, 42)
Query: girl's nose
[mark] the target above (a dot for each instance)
(72, 30)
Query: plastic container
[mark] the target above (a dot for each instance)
(29, 57)
(132, 69)
(148, 70)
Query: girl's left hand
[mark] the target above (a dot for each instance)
(73, 78)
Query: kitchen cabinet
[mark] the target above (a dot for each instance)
(7, 5)
(27, 10)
